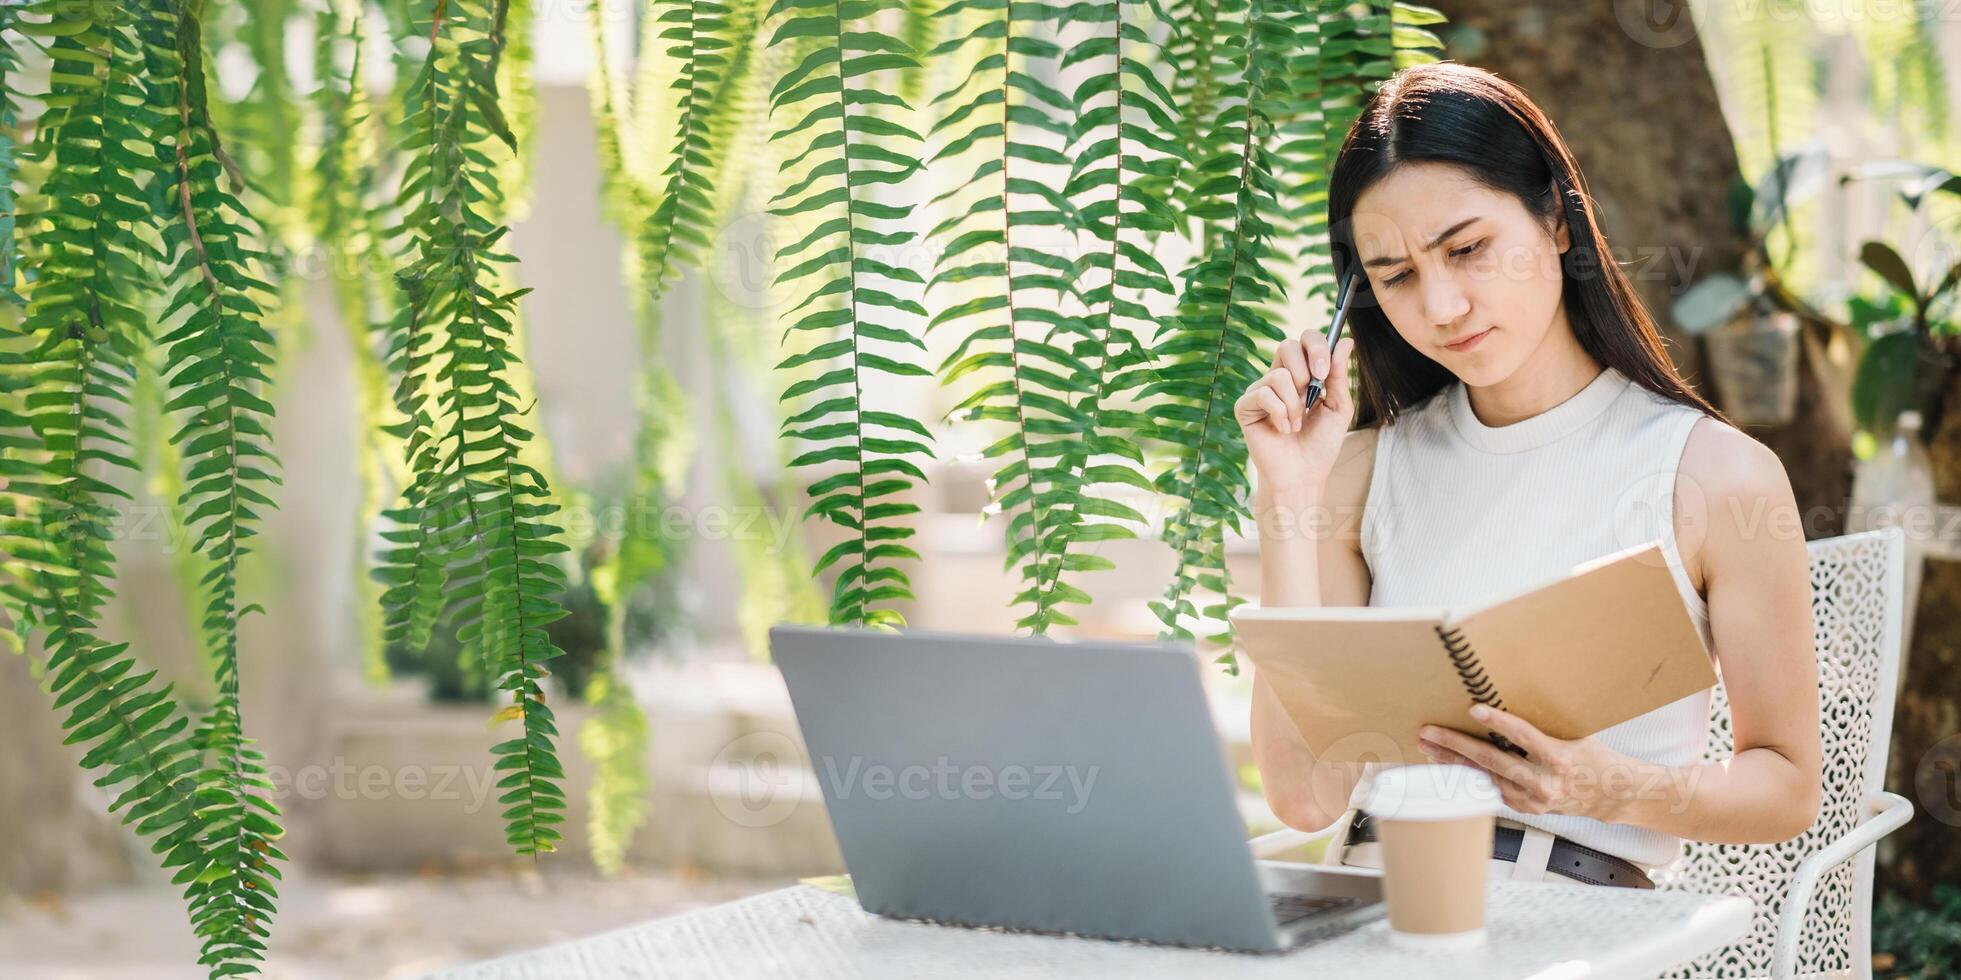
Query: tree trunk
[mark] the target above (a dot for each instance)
(1926, 759)
(1634, 100)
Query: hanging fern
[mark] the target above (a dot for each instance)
(848, 148)
(1212, 350)
(517, 101)
(615, 738)
(476, 517)
(1198, 74)
(701, 48)
(264, 119)
(413, 567)
(1909, 78)
(1345, 53)
(665, 227)
(917, 29)
(71, 360)
(1039, 369)
(1765, 56)
(218, 353)
(774, 585)
(1299, 76)
(1132, 147)
(10, 34)
(620, 195)
(87, 226)
(340, 216)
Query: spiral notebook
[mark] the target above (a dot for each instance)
(1609, 640)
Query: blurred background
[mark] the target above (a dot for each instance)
(380, 754)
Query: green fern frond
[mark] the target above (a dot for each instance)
(88, 226)
(918, 27)
(340, 212)
(517, 99)
(478, 509)
(1022, 379)
(406, 26)
(771, 566)
(835, 102)
(1414, 41)
(218, 353)
(705, 52)
(710, 52)
(1212, 351)
(10, 91)
(736, 105)
(1901, 47)
(615, 738)
(413, 566)
(1346, 51)
(1764, 56)
(698, 30)
(264, 119)
(1047, 369)
(84, 323)
(1199, 73)
(1131, 145)
(620, 195)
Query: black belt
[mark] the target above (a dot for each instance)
(1576, 861)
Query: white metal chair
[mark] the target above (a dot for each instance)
(1813, 893)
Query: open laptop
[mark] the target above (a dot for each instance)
(1030, 784)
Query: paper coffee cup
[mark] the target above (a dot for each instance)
(1435, 826)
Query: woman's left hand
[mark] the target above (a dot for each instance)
(1567, 776)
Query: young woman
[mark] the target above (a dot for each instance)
(1516, 415)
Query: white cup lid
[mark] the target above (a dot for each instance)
(1432, 792)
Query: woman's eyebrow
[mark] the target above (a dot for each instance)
(1434, 242)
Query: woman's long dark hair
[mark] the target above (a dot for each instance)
(1444, 112)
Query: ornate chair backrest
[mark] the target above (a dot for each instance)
(1856, 602)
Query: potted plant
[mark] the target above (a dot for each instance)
(1912, 346)
(1750, 324)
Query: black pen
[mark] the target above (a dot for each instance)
(1342, 299)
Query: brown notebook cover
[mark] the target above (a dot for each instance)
(1610, 640)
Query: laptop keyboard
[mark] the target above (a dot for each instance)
(1293, 908)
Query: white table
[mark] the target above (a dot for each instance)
(1539, 930)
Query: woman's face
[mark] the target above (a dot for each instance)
(1451, 260)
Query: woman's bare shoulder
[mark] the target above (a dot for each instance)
(1722, 462)
(1732, 491)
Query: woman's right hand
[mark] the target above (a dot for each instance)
(1293, 449)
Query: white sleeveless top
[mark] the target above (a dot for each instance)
(1459, 512)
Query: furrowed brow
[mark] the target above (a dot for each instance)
(1434, 242)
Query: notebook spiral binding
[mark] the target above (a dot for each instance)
(1476, 681)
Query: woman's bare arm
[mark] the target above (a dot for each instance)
(1310, 555)
(1737, 521)
(1734, 507)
